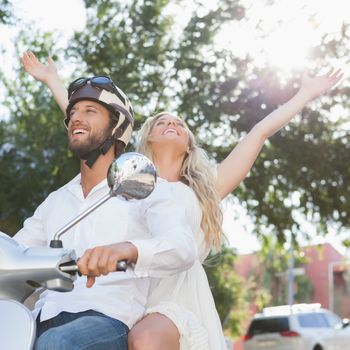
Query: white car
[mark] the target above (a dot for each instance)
(340, 339)
(297, 327)
(229, 343)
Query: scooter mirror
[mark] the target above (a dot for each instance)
(131, 176)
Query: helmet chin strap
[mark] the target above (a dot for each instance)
(91, 157)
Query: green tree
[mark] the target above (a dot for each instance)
(130, 41)
(304, 290)
(6, 16)
(136, 43)
(272, 273)
(302, 169)
(34, 157)
(229, 290)
(221, 96)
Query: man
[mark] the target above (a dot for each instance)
(153, 233)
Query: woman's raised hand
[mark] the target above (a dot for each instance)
(315, 86)
(247, 150)
(47, 74)
(38, 70)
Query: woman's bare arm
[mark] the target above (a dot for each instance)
(235, 167)
(47, 74)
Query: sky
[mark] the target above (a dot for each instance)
(64, 15)
(290, 28)
(287, 30)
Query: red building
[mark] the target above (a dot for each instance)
(321, 262)
(326, 269)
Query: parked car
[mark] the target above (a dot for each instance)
(340, 339)
(229, 343)
(297, 327)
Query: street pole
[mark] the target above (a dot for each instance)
(331, 286)
(291, 274)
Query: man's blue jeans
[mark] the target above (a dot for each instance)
(88, 330)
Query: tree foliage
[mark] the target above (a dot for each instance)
(6, 16)
(135, 42)
(272, 275)
(162, 63)
(34, 156)
(303, 168)
(231, 298)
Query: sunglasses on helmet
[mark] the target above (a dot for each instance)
(100, 81)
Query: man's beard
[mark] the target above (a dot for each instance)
(81, 149)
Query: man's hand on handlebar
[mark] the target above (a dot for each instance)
(103, 260)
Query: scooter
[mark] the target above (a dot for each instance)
(24, 270)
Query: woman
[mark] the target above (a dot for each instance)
(181, 312)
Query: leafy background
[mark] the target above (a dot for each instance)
(302, 174)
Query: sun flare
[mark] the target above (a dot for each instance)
(282, 33)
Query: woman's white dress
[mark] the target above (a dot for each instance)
(186, 298)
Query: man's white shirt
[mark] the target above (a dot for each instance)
(157, 226)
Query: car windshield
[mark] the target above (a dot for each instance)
(269, 325)
(313, 320)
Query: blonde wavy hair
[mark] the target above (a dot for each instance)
(197, 173)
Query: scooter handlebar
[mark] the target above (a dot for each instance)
(73, 268)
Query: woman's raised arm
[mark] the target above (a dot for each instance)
(47, 74)
(235, 167)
